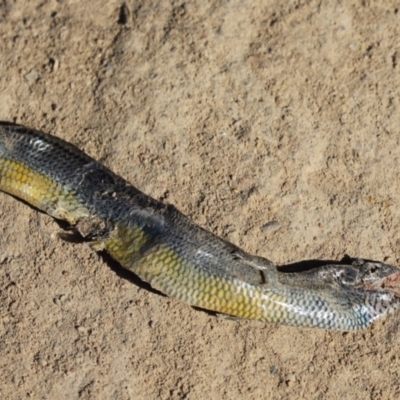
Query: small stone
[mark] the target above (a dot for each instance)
(270, 226)
(32, 76)
(353, 46)
(81, 329)
(109, 70)
(60, 299)
(55, 64)
(290, 380)
(273, 369)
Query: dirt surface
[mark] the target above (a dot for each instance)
(273, 124)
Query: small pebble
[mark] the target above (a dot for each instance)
(273, 369)
(270, 226)
(60, 299)
(56, 63)
(32, 76)
(291, 380)
(353, 46)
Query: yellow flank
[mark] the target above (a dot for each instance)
(125, 244)
(166, 271)
(155, 262)
(20, 180)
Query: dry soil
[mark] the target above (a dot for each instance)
(273, 124)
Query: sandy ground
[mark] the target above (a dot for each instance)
(240, 114)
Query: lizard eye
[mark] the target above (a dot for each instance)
(348, 276)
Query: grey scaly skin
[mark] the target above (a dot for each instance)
(176, 256)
